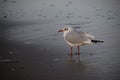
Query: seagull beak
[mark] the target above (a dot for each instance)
(60, 30)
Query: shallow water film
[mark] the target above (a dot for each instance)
(32, 49)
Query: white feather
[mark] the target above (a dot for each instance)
(74, 38)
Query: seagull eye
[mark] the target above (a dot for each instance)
(65, 29)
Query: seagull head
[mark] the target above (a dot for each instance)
(66, 29)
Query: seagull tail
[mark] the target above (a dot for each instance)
(97, 41)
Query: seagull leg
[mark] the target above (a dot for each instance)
(78, 50)
(71, 51)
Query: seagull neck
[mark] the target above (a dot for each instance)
(71, 30)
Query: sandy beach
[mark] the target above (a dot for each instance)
(34, 50)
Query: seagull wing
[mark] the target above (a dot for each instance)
(88, 35)
(78, 37)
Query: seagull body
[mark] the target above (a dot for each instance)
(76, 39)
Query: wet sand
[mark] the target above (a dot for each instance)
(32, 49)
(37, 52)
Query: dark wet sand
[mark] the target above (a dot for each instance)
(24, 56)
(31, 48)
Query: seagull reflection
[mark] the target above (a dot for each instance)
(75, 58)
(75, 65)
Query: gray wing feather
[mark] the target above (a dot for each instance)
(77, 37)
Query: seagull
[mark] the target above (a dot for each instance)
(76, 39)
